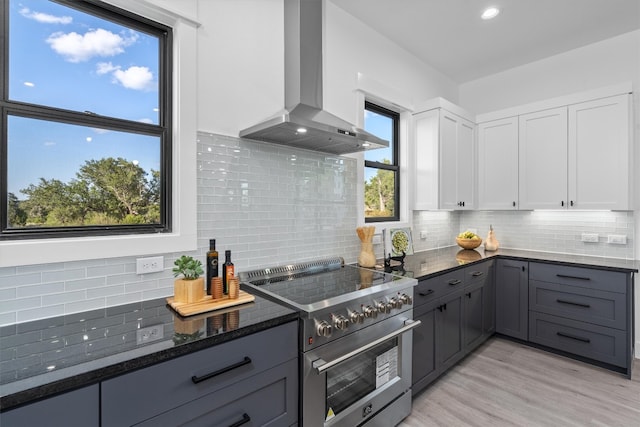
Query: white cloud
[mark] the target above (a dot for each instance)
(45, 18)
(145, 120)
(29, 84)
(134, 77)
(82, 47)
(105, 67)
(49, 143)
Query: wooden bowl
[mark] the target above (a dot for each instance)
(468, 243)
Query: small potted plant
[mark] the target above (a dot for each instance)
(189, 288)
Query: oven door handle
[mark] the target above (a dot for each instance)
(321, 366)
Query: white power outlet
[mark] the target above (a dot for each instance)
(150, 333)
(423, 234)
(149, 265)
(590, 237)
(617, 239)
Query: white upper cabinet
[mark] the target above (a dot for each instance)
(543, 158)
(498, 164)
(444, 161)
(600, 154)
(457, 162)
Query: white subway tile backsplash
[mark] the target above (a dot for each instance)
(272, 205)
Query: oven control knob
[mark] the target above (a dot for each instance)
(369, 311)
(394, 302)
(324, 329)
(356, 317)
(390, 305)
(383, 308)
(340, 322)
(406, 299)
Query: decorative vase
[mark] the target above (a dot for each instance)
(367, 258)
(188, 290)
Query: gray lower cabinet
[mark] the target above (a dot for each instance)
(78, 408)
(583, 311)
(454, 311)
(512, 298)
(254, 376)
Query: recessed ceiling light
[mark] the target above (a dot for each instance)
(490, 13)
(301, 130)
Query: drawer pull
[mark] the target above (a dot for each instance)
(426, 294)
(245, 419)
(579, 304)
(477, 273)
(197, 380)
(564, 276)
(454, 282)
(573, 337)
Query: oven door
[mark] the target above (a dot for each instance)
(359, 377)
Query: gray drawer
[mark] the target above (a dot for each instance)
(139, 395)
(611, 281)
(477, 272)
(587, 305)
(269, 398)
(435, 287)
(583, 339)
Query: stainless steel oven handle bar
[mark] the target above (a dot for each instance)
(321, 366)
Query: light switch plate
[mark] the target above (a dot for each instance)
(590, 237)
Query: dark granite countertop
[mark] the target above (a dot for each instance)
(50, 356)
(422, 265)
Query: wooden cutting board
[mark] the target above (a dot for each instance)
(208, 304)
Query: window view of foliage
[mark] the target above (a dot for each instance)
(108, 191)
(379, 194)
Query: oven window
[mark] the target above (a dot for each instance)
(357, 377)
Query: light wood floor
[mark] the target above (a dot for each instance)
(508, 384)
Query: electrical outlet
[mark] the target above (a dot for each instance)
(590, 237)
(150, 333)
(149, 265)
(377, 239)
(423, 234)
(617, 239)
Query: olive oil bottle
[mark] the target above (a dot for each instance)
(212, 264)
(228, 271)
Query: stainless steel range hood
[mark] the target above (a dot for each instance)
(303, 123)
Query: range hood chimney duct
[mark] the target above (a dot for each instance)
(304, 124)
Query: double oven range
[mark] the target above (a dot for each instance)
(355, 339)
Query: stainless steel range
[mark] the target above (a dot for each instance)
(355, 339)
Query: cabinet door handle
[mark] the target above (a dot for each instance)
(440, 308)
(564, 276)
(426, 294)
(208, 376)
(454, 282)
(571, 203)
(477, 273)
(562, 203)
(579, 304)
(468, 294)
(514, 204)
(573, 337)
(245, 419)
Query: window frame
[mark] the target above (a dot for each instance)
(183, 236)
(163, 130)
(393, 167)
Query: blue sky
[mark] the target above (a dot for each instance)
(68, 59)
(382, 127)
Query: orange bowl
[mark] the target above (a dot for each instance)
(468, 243)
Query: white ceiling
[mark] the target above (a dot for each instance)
(450, 36)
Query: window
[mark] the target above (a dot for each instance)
(381, 166)
(86, 111)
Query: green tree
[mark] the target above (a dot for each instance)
(17, 215)
(379, 194)
(105, 191)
